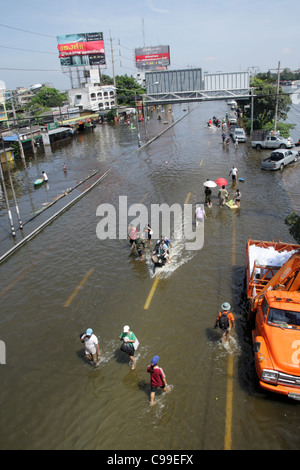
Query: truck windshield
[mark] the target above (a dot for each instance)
(284, 318)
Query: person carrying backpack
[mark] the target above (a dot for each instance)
(225, 320)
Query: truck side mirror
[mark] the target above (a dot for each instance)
(256, 346)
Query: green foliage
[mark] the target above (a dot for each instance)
(265, 91)
(48, 98)
(283, 127)
(293, 221)
(265, 101)
(111, 115)
(127, 89)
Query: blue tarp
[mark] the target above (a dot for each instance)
(11, 138)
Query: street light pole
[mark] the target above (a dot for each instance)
(277, 97)
(137, 121)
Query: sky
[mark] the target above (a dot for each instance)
(215, 35)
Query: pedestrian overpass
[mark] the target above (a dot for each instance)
(189, 85)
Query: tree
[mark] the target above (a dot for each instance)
(293, 221)
(127, 89)
(265, 91)
(48, 98)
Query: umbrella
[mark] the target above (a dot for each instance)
(209, 184)
(221, 181)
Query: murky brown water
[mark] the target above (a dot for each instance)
(50, 397)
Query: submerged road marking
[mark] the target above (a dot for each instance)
(229, 396)
(143, 198)
(201, 162)
(75, 292)
(154, 285)
(151, 293)
(187, 198)
(229, 392)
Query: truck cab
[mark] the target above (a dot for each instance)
(276, 342)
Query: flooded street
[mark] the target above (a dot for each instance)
(66, 279)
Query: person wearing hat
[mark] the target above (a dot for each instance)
(225, 320)
(157, 378)
(139, 245)
(92, 350)
(128, 338)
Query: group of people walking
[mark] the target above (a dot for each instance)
(129, 345)
(225, 321)
(138, 244)
(223, 194)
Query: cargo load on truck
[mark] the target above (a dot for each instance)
(273, 294)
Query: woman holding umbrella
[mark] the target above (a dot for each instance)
(208, 185)
(223, 194)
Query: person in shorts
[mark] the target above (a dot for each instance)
(157, 379)
(128, 338)
(225, 320)
(149, 232)
(92, 350)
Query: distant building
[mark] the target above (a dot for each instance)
(140, 79)
(93, 97)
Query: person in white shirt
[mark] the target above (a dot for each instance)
(45, 177)
(233, 172)
(199, 214)
(92, 350)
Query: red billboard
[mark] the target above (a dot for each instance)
(152, 58)
(81, 49)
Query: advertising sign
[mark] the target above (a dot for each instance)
(82, 49)
(152, 58)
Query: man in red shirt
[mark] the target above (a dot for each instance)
(225, 320)
(158, 378)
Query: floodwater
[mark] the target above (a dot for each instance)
(66, 279)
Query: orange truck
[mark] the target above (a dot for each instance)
(273, 294)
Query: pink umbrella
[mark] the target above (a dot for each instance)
(221, 181)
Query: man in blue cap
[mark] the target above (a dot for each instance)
(92, 350)
(158, 378)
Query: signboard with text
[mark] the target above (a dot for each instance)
(152, 58)
(81, 49)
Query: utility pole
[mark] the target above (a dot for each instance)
(112, 59)
(12, 188)
(252, 110)
(13, 232)
(18, 133)
(113, 67)
(277, 98)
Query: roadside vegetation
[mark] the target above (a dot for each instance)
(265, 91)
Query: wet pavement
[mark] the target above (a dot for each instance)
(66, 279)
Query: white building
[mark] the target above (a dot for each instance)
(140, 79)
(93, 97)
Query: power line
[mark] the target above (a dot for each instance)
(27, 50)
(26, 31)
(32, 70)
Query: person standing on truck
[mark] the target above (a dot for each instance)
(225, 320)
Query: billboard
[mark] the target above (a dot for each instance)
(152, 58)
(82, 49)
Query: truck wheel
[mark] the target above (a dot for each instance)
(282, 146)
(259, 146)
(281, 166)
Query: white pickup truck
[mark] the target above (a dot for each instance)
(272, 142)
